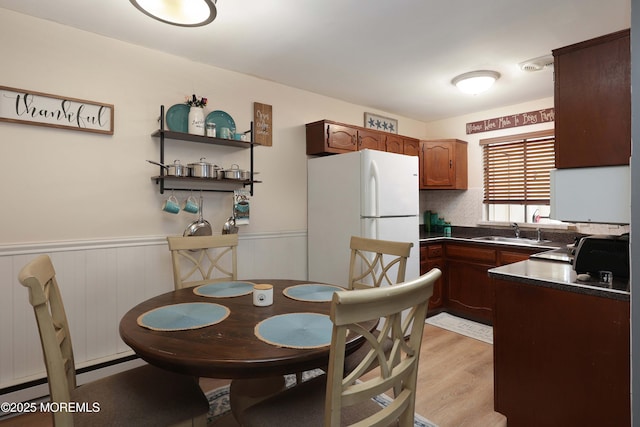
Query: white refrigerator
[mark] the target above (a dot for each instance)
(366, 193)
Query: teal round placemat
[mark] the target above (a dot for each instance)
(224, 289)
(312, 292)
(296, 330)
(179, 317)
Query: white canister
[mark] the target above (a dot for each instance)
(262, 295)
(196, 121)
(210, 129)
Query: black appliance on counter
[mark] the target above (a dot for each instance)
(598, 253)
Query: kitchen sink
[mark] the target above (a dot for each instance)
(513, 240)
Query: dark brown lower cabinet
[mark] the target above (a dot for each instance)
(465, 289)
(431, 257)
(469, 290)
(560, 358)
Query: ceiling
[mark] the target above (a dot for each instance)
(398, 56)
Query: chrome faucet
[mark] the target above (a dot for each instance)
(517, 229)
(539, 235)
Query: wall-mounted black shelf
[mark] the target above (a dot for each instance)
(187, 183)
(202, 139)
(169, 182)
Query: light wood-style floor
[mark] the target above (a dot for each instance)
(455, 384)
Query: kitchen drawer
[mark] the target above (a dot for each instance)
(471, 253)
(431, 251)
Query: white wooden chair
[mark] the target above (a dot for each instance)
(371, 265)
(199, 260)
(143, 396)
(341, 398)
(372, 261)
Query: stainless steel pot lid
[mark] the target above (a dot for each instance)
(201, 163)
(233, 168)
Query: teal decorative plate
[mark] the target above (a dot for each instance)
(178, 118)
(180, 317)
(296, 330)
(312, 292)
(224, 289)
(222, 120)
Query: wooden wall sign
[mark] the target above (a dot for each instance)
(263, 120)
(381, 123)
(43, 109)
(515, 120)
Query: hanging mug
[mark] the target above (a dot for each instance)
(171, 205)
(190, 205)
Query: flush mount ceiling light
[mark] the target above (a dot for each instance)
(475, 82)
(183, 13)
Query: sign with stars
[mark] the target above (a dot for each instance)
(376, 122)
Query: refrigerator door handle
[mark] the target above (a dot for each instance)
(374, 231)
(370, 227)
(375, 193)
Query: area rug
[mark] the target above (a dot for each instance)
(462, 326)
(219, 401)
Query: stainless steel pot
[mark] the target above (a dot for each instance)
(176, 169)
(236, 173)
(233, 172)
(202, 169)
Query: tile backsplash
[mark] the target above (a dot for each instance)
(464, 208)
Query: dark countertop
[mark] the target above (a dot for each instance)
(468, 234)
(558, 237)
(535, 271)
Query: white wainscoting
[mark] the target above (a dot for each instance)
(101, 280)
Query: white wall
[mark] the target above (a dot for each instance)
(69, 185)
(464, 207)
(85, 196)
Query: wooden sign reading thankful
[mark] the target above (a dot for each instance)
(43, 109)
(514, 120)
(262, 117)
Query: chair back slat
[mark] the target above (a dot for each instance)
(403, 308)
(373, 261)
(203, 259)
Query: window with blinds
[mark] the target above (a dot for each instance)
(516, 168)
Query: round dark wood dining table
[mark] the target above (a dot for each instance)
(228, 349)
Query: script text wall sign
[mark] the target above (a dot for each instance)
(43, 109)
(514, 120)
(263, 119)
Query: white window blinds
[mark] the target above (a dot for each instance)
(516, 168)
